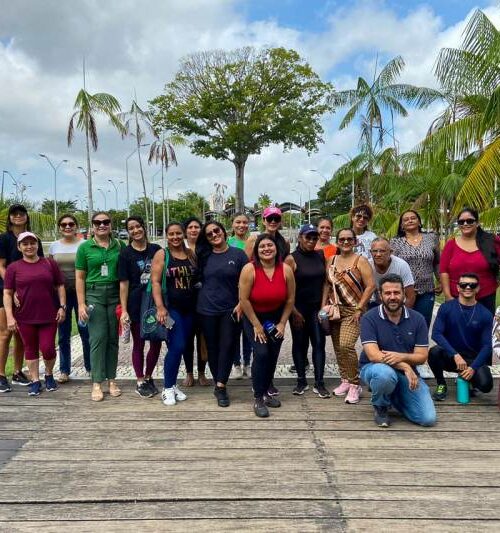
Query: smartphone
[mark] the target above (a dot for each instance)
(234, 317)
(169, 322)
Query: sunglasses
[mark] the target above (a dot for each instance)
(313, 237)
(19, 214)
(466, 221)
(468, 285)
(105, 222)
(213, 233)
(346, 240)
(359, 216)
(67, 224)
(273, 218)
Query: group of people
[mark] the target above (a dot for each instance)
(222, 292)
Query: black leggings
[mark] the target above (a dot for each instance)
(221, 335)
(265, 356)
(439, 361)
(189, 350)
(311, 332)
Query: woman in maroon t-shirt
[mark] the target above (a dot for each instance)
(267, 295)
(35, 281)
(473, 250)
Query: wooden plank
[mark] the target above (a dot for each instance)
(418, 525)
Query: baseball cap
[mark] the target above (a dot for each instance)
(306, 229)
(25, 235)
(268, 211)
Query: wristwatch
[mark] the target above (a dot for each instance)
(63, 307)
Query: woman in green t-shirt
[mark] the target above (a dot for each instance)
(97, 284)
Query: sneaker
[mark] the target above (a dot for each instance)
(381, 416)
(300, 389)
(273, 391)
(272, 401)
(440, 393)
(63, 378)
(222, 398)
(322, 391)
(247, 371)
(179, 395)
(168, 396)
(4, 384)
(152, 386)
(293, 369)
(143, 390)
(343, 388)
(237, 372)
(19, 378)
(50, 383)
(34, 388)
(260, 409)
(353, 394)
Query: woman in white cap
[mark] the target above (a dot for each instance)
(39, 286)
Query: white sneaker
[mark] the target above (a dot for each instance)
(179, 395)
(247, 371)
(168, 396)
(237, 372)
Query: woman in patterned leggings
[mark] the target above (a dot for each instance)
(350, 275)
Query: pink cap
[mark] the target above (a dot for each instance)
(25, 235)
(268, 211)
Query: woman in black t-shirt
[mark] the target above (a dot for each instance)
(134, 271)
(181, 276)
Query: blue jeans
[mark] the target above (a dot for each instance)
(177, 342)
(424, 304)
(390, 386)
(65, 336)
(247, 351)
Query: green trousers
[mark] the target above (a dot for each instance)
(103, 330)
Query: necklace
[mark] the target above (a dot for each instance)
(467, 322)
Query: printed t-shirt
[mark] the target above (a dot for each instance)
(181, 277)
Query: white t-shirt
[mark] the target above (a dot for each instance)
(65, 255)
(396, 266)
(364, 243)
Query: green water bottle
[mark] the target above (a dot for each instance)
(463, 393)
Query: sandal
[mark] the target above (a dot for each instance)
(97, 394)
(114, 389)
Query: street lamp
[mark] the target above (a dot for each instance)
(300, 204)
(320, 173)
(309, 210)
(153, 208)
(116, 191)
(54, 168)
(126, 176)
(168, 205)
(348, 159)
(104, 196)
(17, 184)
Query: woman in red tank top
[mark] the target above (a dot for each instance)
(267, 295)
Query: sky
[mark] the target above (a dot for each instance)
(134, 48)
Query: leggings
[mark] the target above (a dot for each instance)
(138, 352)
(38, 338)
(201, 349)
(177, 340)
(345, 333)
(221, 335)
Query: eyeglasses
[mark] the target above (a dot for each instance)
(105, 222)
(67, 224)
(346, 240)
(379, 251)
(466, 221)
(360, 216)
(273, 218)
(468, 285)
(211, 234)
(312, 237)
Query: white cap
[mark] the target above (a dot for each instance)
(26, 234)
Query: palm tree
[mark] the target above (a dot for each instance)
(370, 101)
(88, 106)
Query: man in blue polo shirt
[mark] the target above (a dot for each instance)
(395, 340)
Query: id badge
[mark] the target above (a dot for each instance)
(104, 270)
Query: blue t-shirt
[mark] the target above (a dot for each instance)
(411, 331)
(220, 277)
(464, 329)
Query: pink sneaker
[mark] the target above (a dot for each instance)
(343, 388)
(353, 394)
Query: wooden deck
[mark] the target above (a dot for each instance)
(128, 464)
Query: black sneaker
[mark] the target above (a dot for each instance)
(19, 378)
(222, 398)
(260, 409)
(4, 384)
(322, 391)
(35, 388)
(272, 401)
(300, 389)
(440, 393)
(50, 383)
(144, 390)
(151, 384)
(381, 416)
(273, 391)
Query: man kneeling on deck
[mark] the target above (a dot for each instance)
(462, 332)
(395, 340)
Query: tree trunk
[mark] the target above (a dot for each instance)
(239, 165)
(90, 200)
(143, 183)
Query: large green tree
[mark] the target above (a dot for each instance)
(233, 104)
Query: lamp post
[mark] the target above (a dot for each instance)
(153, 208)
(168, 204)
(104, 196)
(116, 190)
(309, 191)
(348, 159)
(85, 174)
(54, 168)
(300, 204)
(126, 177)
(320, 173)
